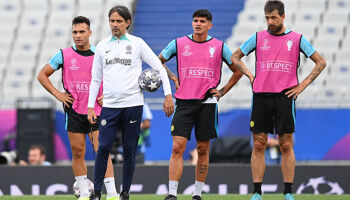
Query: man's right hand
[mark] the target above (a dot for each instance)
(251, 79)
(92, 116)
(176, 82)
(65, 98)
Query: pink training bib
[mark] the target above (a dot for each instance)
(199, 67)
(276, 62)
(76, 77)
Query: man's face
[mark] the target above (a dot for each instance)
(118, 24)
(274, 21)
(81, 33)
(35, 158)
(201, 25)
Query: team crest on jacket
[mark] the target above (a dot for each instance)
(128, 49)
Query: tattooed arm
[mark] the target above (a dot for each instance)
(171, 75)
(236, 61)
(320, 65)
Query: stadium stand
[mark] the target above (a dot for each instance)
(32, 31)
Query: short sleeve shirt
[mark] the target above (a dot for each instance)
(170, 51)
(56, 61)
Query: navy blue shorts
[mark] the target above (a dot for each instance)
(127, 120)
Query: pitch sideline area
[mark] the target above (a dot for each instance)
(187, 197)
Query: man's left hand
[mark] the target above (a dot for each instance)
(295, 91)
(100, 100)
(216, 93)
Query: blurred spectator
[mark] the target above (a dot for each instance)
(193, 156)
(144, 140)
(36, 156)
(273, 153)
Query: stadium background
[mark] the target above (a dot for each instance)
(31, 31)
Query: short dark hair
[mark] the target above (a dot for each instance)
(123, 11)
(37, 146)
(272, 5)
(81, 19)
(202, 13)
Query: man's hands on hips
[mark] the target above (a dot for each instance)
(92, 116)
(168, 106)
(65, 98)
(296, 90)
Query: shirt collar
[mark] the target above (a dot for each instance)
(92, 48)
(285, 32)
(191, 36)
(123, 37)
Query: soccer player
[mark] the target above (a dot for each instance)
(275, 89)
(145, 130)
(199, 61)
(76, 64)
(118, 62)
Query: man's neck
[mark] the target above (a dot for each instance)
(119, 36)
(83, 48)
(200, 37)
(281, 32)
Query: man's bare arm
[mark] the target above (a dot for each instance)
(236, 61)
(320, 65)
(43, 77)
(171, 75)
(237, 74)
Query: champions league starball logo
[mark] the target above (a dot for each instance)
(266, 41)
(320, 186)
(73, 61)
(265, 45)
(187, 50)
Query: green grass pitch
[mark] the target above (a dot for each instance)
(187, 197)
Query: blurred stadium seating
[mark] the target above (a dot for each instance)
(32, 31)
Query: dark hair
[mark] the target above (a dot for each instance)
(272, 5)
(41, 148)
(81, 19)
(202, 13)
(122, 11)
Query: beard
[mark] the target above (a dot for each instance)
(274, 29)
